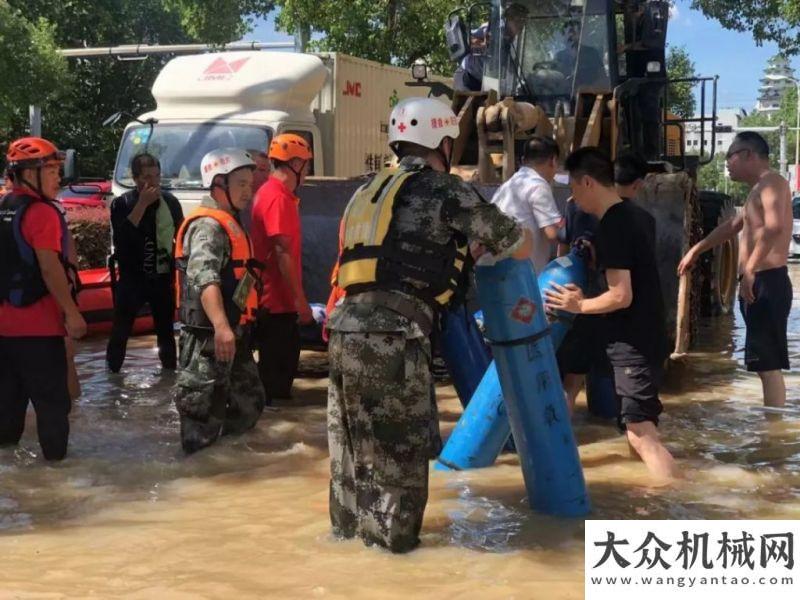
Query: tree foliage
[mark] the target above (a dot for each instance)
(387, 31)
(768, 20)
(218, 21)
(30, 68)
(98, 87)
(681, 95)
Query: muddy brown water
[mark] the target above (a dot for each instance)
(127, 516)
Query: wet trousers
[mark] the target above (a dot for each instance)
(277, 338)
(130, 295)
(382, 430)
(215, 398)
(35, 369)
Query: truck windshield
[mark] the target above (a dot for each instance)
(544, 50)
(181, 147)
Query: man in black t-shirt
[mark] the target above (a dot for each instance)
(583, 348)
(635, 322)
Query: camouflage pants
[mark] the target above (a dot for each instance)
(382, 430)
(215, 398)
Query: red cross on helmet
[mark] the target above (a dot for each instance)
(223, 161)
(422, 121)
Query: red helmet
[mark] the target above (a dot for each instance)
(32, 153)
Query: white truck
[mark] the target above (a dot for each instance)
(339, 103)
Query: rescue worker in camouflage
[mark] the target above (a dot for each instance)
(404, 252)
(218, 390)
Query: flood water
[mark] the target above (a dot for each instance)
(128, 516)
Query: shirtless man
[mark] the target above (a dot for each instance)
(765, 289)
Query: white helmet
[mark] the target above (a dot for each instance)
(224, 161)
(423, 121)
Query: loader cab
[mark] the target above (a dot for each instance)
(597, 68)
(544, 52)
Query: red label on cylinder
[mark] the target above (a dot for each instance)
(524, 311)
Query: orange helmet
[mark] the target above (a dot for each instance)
(32, 153)
(287, 146)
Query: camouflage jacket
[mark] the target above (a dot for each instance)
(208, 250)
(437, 206)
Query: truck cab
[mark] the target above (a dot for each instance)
(233, 99)
(340, 104)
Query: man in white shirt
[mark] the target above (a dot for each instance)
(528, 198)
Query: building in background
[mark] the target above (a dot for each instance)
(728, 119)
(771, 90)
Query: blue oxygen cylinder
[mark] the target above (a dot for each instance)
(526, 363)
(483, 429)
(464, 351)
(564, 270)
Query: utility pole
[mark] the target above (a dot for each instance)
(301, 38)
(783, 162)
(35, 120)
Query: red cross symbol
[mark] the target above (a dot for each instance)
(402, 127)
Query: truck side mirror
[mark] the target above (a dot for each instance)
(70, 167)
(654, 24)
(455, 33)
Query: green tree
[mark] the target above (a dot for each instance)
(711, 176)
(30, 68)
(681, 95)
(771, 20)
(72, 115)
(387, 31)
(218, 21)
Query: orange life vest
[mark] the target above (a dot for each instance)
(240, 282)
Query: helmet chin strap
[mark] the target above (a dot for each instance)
(226, 189)
(297, 174)
(446, 158)
(36, 188)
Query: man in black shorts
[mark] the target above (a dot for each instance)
(765, 289)
(584, 345)
(633, 305)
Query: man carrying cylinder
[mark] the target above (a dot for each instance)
(405, 244)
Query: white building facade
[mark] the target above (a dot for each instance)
(728, 119)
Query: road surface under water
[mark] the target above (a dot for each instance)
(128, 516)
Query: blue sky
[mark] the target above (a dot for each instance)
(732, 55)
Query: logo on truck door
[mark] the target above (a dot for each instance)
(222, 70)
(352, 88)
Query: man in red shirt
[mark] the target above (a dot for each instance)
(37, 308)
(276, 235)
(263, 168)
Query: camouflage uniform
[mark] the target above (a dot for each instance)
(213, 398)
(383, 425)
